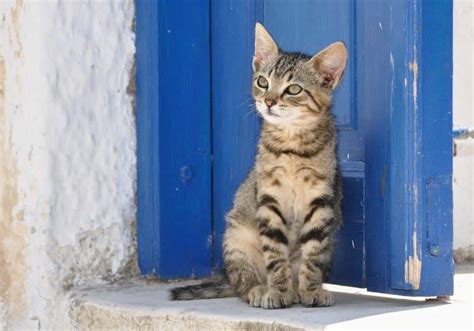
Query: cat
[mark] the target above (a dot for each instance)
(279, 237)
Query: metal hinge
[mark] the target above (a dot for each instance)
(463, 133)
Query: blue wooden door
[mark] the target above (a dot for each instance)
(307, 26)
(393, 111)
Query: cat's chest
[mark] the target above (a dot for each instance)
(296, 182)
(294, 193)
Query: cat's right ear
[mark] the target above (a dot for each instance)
(265, 48)
(330, 63)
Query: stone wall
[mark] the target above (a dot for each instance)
(67, 139)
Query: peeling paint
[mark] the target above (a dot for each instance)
(414, 68)
(413, 262)
(413, 266)
(392, 84)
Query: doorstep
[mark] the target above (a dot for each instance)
(144, 305)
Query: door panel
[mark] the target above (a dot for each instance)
(173, 139)
(307, 26)
(405, 91)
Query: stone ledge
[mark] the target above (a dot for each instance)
(145, 306)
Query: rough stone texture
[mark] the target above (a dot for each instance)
(145, 306)
(96, 317)
(67, 137)
(464, 254)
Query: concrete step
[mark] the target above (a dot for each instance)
(143, 305)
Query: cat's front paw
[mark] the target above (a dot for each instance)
(317, 298)
(255, 295)
(274, 299)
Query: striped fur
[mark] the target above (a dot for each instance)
(210, 290)
(279, 240)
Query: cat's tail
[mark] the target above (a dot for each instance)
(209, 290)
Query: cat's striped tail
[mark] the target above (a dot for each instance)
(209, 290)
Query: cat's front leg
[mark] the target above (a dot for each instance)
(317, 246)
(274, 239)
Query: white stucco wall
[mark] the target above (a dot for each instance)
(463, 116)
(68, 152)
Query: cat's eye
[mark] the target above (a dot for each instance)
(294, 89)
(262, 82)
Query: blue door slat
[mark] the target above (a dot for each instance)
(235, 123)
(146, 118)
(174, 138)
(436, 147)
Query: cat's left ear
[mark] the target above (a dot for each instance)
(330, 63)
(265, 48)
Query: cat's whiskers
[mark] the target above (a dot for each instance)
(246, 100)
(252, 110)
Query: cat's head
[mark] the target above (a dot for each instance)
(294, 88)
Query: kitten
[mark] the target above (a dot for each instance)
(279, 240)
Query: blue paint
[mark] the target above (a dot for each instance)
(463, 133)
(147, 104)
(174, 138)
(236, 125)
(436, 145)
(408, 144)
(349, 266)
(393, 110)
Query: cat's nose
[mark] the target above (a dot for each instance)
(270, 102)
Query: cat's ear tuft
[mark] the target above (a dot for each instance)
(265, 48)
(330, 63)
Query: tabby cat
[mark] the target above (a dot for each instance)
(279, 240)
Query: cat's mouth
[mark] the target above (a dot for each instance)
(271, 113)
